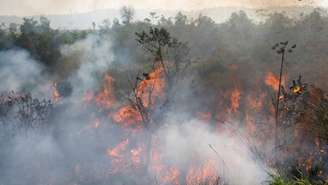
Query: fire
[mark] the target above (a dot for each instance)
(166, 174)
(55, 93)
(117, 156)
(296, 89)
(205, 174)
(256, 103)
(234, 100)
(272, 81)
(172, 176)
(116, 152)
(124, 158)
(151, 88)
(127, 116)
(105, 98)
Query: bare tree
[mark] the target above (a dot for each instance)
(127, 14)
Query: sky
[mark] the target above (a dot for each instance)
(45, 7)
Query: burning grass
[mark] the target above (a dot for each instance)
(182, 154)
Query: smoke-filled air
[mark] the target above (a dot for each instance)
(219, 95)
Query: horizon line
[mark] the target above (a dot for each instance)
(157, 9)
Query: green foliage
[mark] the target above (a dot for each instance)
(278, 180)
(303, 180)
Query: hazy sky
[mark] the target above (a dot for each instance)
(33, 7)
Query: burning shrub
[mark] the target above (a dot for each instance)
(302, 131)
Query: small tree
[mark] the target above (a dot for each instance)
(168, 64)
(127, 14)
(171, 56)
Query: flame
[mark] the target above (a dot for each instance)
(151, 88)
(172, 176)
(55, 93)
(296, 89)
(272, 81)
(234, 100)
(205, 174)
(105, 98)
(124, 159)
(127, 116)
(256, 103)
(115, 152)
(166, 175)
(117, 156)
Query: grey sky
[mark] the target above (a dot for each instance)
(36, 7)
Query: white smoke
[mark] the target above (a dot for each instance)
(19, 71)
(94, 56)
(73, 143)
(236, 165)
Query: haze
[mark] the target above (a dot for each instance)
(46, 7)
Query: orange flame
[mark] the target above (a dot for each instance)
(55, 93)
(127, 116)
(115, 152)
(234, 100)
(116, 155)
(256, 103)
(272, 81)
(105, 98)
(151, 88)
(205, 174)
(166, 174)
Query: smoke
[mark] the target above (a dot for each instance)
(193, 140)
(20, 72)
(30, 7)
(34, 159)
(73, 150)
(93, 55)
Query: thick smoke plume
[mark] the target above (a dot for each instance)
(20, 72)
(232, 158)
(71, 149)
(231, 76)
(93, 56)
